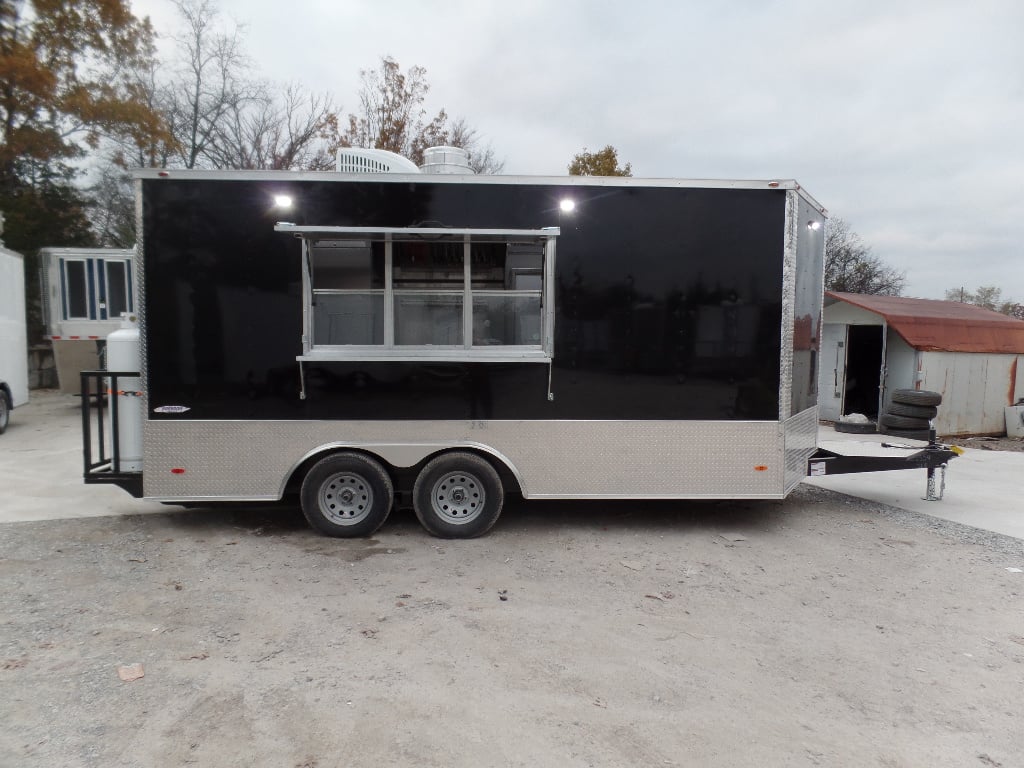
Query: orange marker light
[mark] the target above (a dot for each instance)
(761, 468)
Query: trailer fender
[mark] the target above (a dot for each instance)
(401, 456)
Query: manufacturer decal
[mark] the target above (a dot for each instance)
(171, 409)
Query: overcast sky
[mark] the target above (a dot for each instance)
(904, 118)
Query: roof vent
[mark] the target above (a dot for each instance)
(446, 160)
(359, 160)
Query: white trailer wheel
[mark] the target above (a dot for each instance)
(458, 496)
(347, 495)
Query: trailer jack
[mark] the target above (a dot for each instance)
(934, 458)
(930, 494)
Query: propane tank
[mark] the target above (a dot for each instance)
(124, 354)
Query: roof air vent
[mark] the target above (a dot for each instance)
(359, 160)
(446, 160)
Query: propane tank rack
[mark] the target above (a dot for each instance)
(101, 446)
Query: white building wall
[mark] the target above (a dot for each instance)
(847, 314)
(900, 366)
(975, 388)
(832, 371)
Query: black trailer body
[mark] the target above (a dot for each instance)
(587, 337)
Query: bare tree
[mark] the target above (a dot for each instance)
(851, 267)
(989, 297)
(212, 80)
(276, 131)
(482, 158)
(216, 114)
(112, 207)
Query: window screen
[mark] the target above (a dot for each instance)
(117, 288)
(76, 295)
(348, 292)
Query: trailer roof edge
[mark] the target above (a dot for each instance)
(414, 178)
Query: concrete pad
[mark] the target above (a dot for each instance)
(41, 475)
(984, 489)
(41, 466)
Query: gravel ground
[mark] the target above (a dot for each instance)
(986, 443)
(822, 630)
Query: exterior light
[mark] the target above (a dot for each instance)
(814, 225)
(567, 205)
(282, 201)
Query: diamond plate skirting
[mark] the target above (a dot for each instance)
(801, 435)
(240, 460)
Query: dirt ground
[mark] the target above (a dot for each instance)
(819, 631)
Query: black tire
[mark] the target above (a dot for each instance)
(856, 428)
(916, 397)
(458, 496)
(347, 495)
(914, 411)
(5, 411)
(903, 422)
(908, 434)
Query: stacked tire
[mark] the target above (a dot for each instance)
(910, 413)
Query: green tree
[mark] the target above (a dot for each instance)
(64, 87)
(604, 162)
(851, 267)
(63, 83)
(38, 216)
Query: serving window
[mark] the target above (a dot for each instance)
(412, 293)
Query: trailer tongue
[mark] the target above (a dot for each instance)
(933, 458)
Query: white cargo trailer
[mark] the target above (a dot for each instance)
(13, 338)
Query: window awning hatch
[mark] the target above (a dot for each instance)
(416, 233)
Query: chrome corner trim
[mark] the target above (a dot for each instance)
(789, 269)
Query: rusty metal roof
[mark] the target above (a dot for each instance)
(942, 326)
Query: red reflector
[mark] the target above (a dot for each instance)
(178, 471)
(760, 468)
(773, 184)
(163, 174)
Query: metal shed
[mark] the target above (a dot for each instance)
(872, 345)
